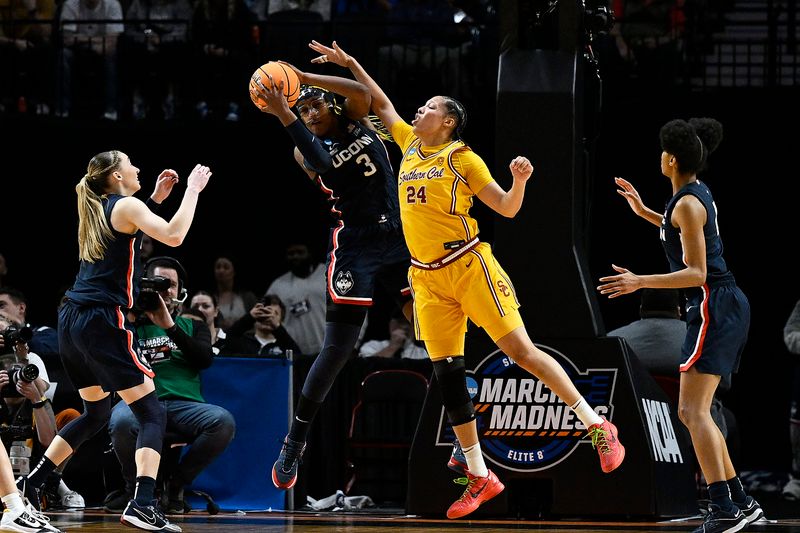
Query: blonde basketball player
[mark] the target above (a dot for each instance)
(454, 276)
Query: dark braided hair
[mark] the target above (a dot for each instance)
(691, 141)
(456, 110)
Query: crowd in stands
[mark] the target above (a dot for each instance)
(168, 59)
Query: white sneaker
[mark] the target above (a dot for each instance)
(28, 521)
(72, 500)
(791, 491)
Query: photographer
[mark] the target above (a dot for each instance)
(42, 345)
(25, 407)
(261, 331)
(178, 348)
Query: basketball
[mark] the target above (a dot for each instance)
(278, 72)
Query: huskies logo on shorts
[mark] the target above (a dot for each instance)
(523, 426)
(344, 282)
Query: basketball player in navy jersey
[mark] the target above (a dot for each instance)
(97, 339)
(717, 311)
(349, 162)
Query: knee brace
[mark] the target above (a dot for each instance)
(452, 377)
(93, 419)
(152, 421)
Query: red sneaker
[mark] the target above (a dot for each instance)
(479, 490)
(610, 449)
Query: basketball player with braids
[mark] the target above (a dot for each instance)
(337, 147)
(454, 276)
(717, 311)
(97, 339)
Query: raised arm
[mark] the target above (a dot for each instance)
(357, 98)
(508, 203)
(131, 214)
(381, 105)
(629, 192)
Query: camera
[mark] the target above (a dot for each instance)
(15, 334)
(149, 288)
(26, 373)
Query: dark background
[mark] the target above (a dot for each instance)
(258, 201)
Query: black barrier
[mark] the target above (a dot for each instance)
(537, 447)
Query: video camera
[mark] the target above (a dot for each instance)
(17, 372)
(149, 288)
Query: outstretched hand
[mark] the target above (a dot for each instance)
(629, 192)
(625, 282)
(333, 55)
(199, 177)
(164, 184)
(521, 168)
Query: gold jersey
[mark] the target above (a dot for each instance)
(436, 185)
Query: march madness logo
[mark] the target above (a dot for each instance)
(522, 424)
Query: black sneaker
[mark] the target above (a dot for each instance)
(750, 509)
(719, 521)
(284, 471)
(148, 517)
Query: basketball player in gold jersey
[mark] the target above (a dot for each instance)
(453, 276)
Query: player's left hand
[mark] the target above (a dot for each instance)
(625, 282)
(521, 168)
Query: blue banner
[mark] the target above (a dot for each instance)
(256, 392)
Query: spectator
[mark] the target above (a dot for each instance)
(207, 303)
(791, 336)
(87, 42)
(178, 349)
(27, 409)
(155, 49)
(225, 50)
(25, 32)
(267, 337)
(232, 302)
(302, 290)
(3, 269)
(401, 342)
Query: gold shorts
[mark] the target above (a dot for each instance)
(473, 287)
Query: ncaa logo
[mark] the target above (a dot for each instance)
(522, 425)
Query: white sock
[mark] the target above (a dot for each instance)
(475, 461)
(13, 502)
(585, 413)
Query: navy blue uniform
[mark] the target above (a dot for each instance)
(366, 245)
(98, 344)
(718, 313)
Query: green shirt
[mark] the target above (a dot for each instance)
(176, 378)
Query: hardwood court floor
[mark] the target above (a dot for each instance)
(301, 522)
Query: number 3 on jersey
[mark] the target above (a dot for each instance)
(414, 195)
(364, 159)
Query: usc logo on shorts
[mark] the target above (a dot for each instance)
(502, 287)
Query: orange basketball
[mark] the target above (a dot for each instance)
(278, 72)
